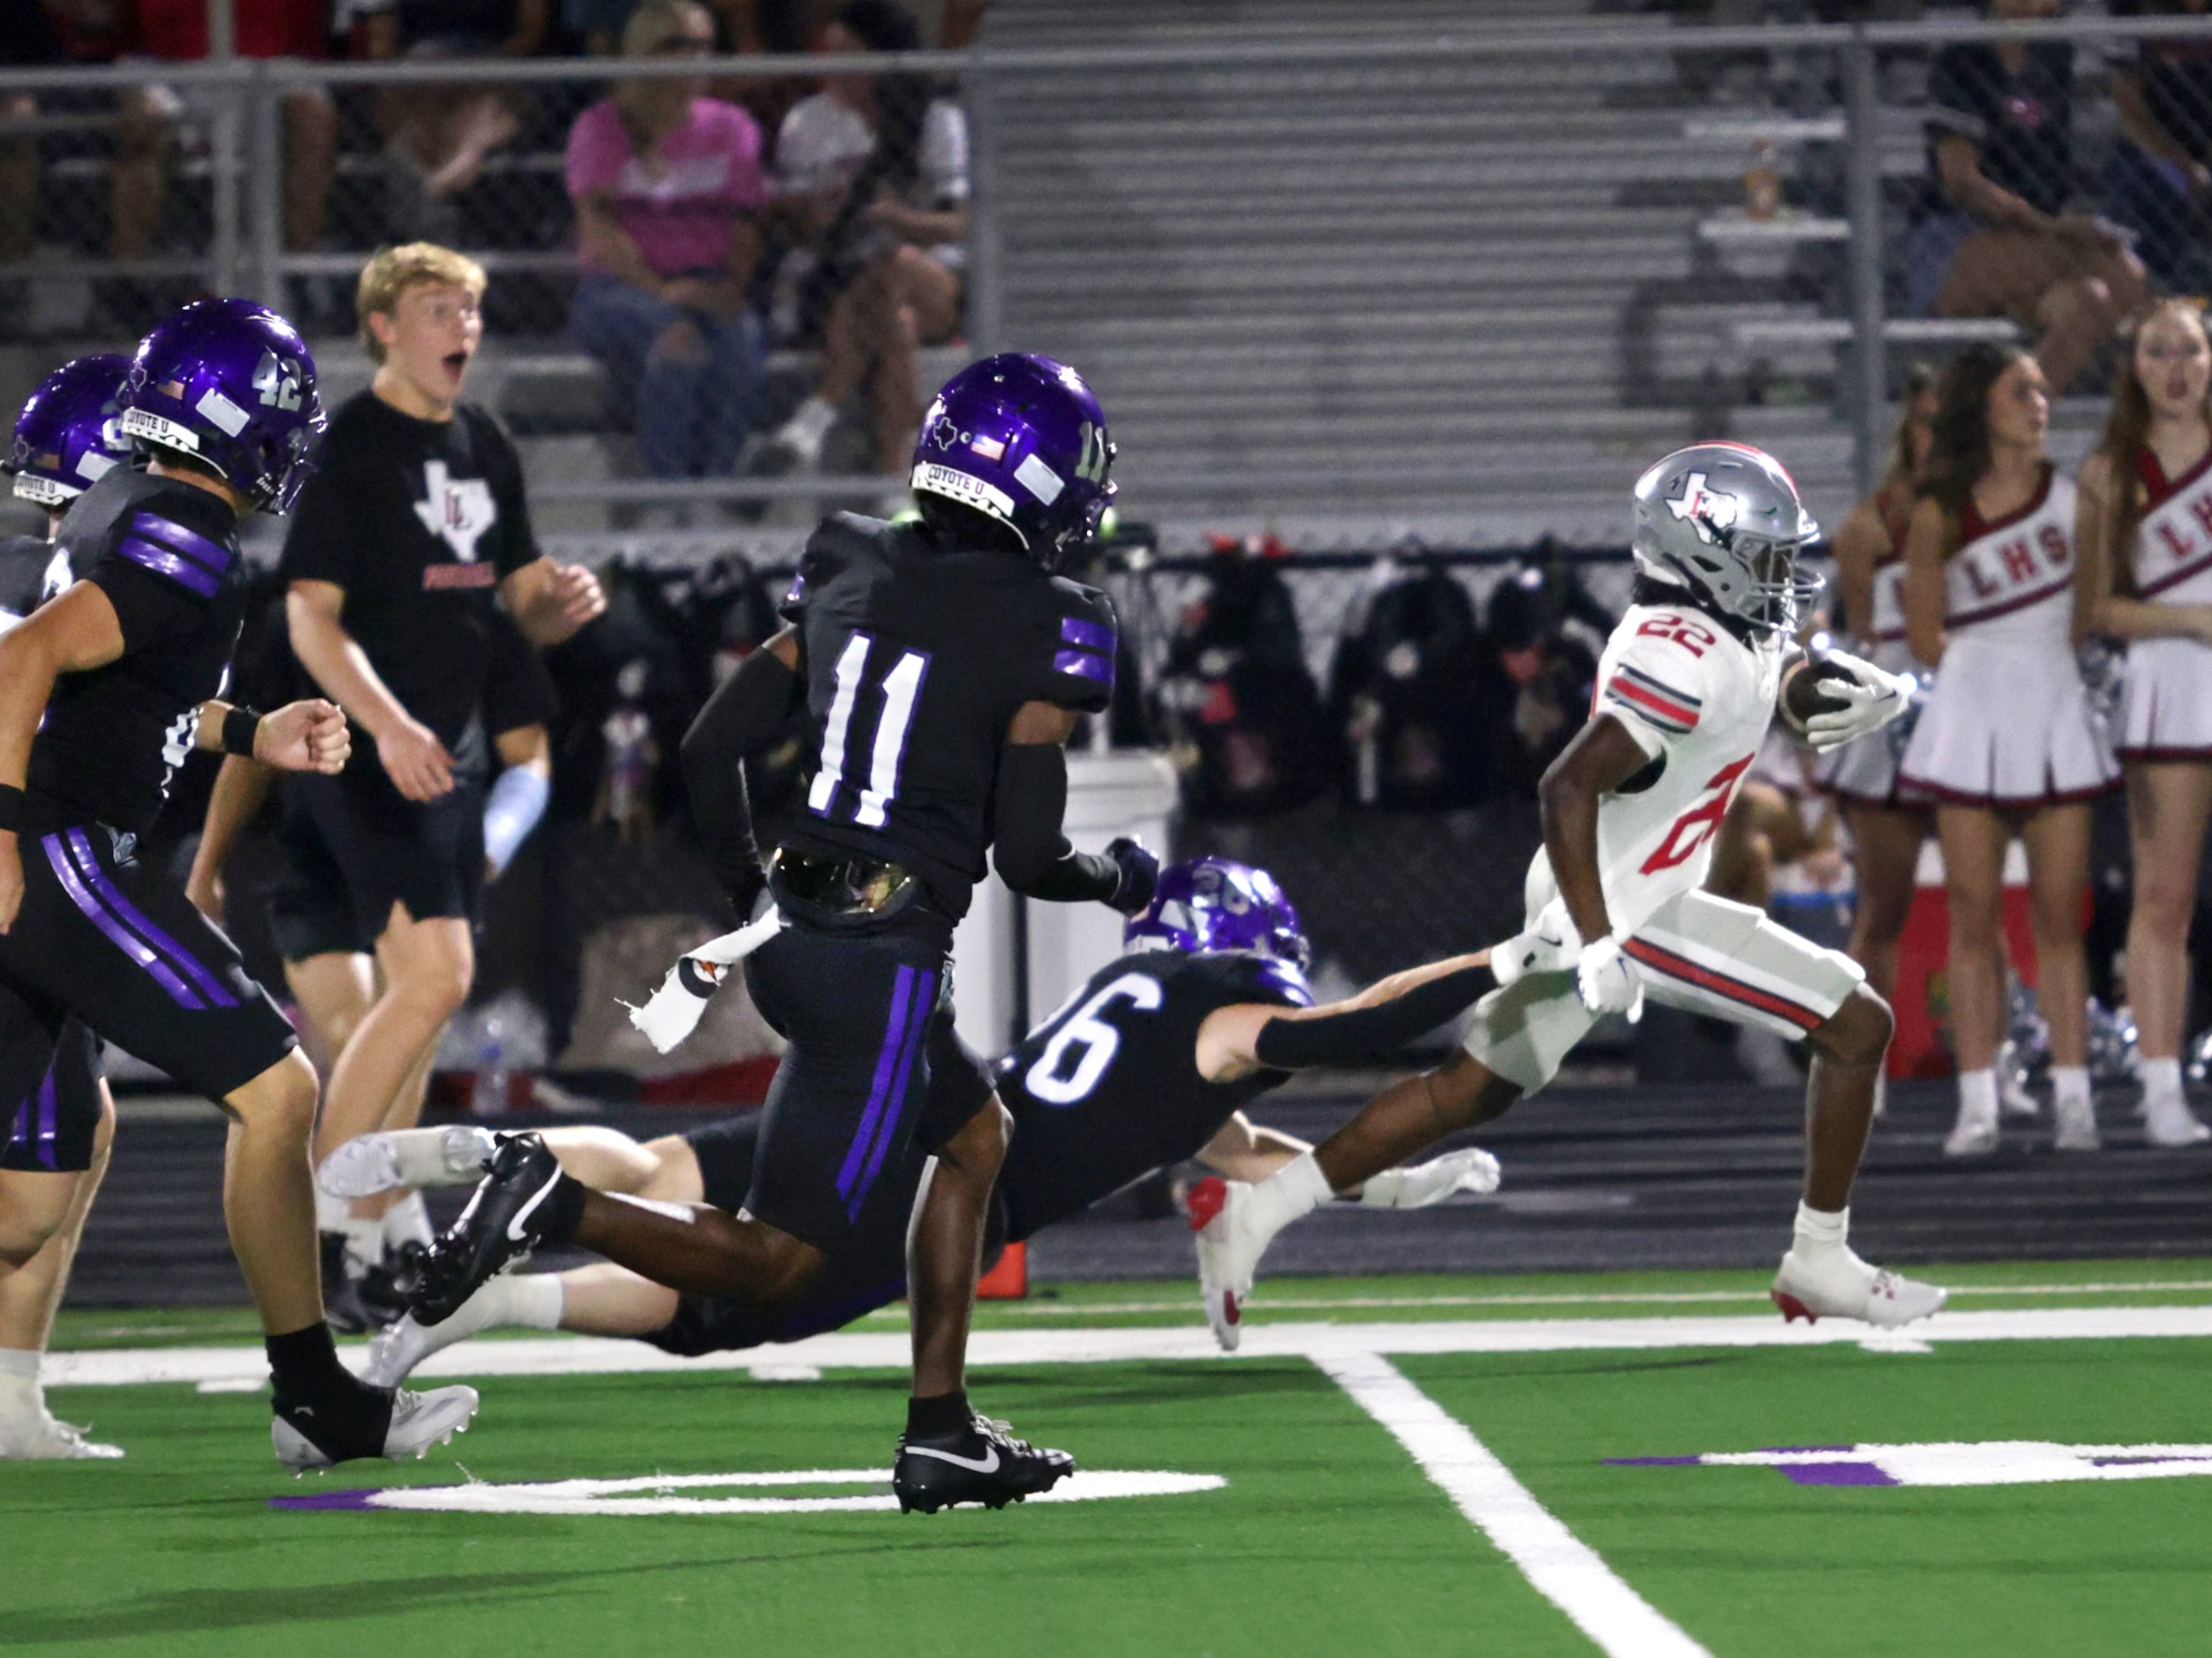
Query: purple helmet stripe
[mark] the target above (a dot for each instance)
(887, 1063)
(47, 1112)
(925, 1008)
(129, 945)
(1085, 666)
(1092, 635)
(162, 562)
(209, 985)
(178, 538)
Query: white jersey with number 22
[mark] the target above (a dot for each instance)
(1696, 699)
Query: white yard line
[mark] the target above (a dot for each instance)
(1562, 1568)
(575, 1355)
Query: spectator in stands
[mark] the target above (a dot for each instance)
(1534, 683)
(2159, 180)
(666, 183)
(176, 31)
(1995, 238)
(875, 168)
(438, 135)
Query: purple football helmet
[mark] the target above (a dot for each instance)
(66, 439)
(230, 385)
(1214, 904)
(1020, 439)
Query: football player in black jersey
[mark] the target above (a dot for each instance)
(1150, 1064)
(412, 535)
(944, 666)
(103, 693)
(56, 1145)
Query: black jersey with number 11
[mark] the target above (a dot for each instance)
(917, 658)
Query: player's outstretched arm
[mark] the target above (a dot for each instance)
(742, 718)
(1031, 847)
(77, 631)
(1366, 1029)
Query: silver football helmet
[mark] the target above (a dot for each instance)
(1724, 520)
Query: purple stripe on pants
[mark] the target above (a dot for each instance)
(47, 1113)
(20, 1134)
(886, 1066)
(131, 946)
(209, 985)
(925, 1009)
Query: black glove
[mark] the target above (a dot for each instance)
(1140, 874)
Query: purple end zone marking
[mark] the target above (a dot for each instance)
(1653, 1462)
(2138, 1462)
(356, 1501)
(1837, 1473)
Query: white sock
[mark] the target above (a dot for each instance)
(20, 1362)
(408, 1221)
(363, 1241)
(507, 1302)
(21, 1396)
(1977, 1095)
(331, 1213)
(1818, 1230)
(2069, 1084)
(2162, 1083)
(810, 422)
(1292, 1192)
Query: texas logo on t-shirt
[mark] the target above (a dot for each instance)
(458, 510)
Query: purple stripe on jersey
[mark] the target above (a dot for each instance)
(162, 562)
(176, 538)
(209, 985)
(20, 1134)
(925, 1009)
(1092, 635)
(1085, 666)
(48, 1110)
(886, 1066)
(123, 940)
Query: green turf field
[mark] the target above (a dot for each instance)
(1418, 1465)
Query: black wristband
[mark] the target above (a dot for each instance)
(12, 806)
(240, 726)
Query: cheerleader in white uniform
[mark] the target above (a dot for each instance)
(2006, 744)
(1886, 824)
(2147, 491)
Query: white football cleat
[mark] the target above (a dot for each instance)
(2170, 1122)
(370, 1164)
(38, 1437)
(397, 1349)
(1228, 1253)
(419, 1421)
(1431, 1182)
(1836, 1284)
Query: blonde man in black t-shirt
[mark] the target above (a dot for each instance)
(415, 532)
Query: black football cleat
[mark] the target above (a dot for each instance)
(980, 1463)
(499, 1227)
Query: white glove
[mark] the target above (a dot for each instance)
(1548, 945)
(674, 1011)
(1872, 697)
(1607, 981)
(1431, 1182)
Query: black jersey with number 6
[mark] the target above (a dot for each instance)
(1108, 1088)
(917, 658)
(166, 555)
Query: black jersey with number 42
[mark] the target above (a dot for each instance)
(917, 658)
(166, 555)
(1108, 1088)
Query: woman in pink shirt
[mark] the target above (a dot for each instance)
(666, 182)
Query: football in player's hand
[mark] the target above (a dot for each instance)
(1804, 696)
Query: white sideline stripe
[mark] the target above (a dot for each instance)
(1562, 1568)
(583, 1355)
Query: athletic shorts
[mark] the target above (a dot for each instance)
(310, 904)
(427, 855)
(112, 943)
(870, 1273)
(873, 1070)
(53, 1127)
(1698, 952)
